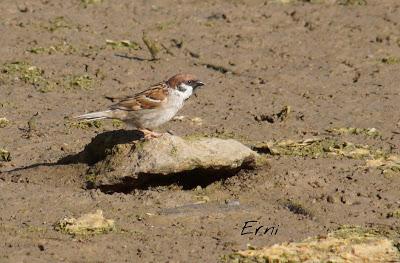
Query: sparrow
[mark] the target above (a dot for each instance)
(152, 107)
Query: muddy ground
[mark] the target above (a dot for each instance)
(335, 65)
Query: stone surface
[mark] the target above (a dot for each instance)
(165, 155)
(172, 154)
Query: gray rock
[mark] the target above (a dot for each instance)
(167, 155)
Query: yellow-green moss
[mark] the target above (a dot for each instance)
(261, 160)
(372, 132)
(117, 123)
(390, 60)
(318, 147)
(91, 178)
(174, 150)
(4, 122)
(87, 224)
(123, 44)
(96, 124)
(63, 48)
(21, 70)
(395, 214)
(5, 155)
(84, 82)
(24, 71)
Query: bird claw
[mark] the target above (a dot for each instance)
(150, 134)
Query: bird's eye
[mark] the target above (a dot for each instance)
(190, 82)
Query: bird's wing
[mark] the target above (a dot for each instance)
(151, 98)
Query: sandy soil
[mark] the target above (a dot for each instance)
(334, 65)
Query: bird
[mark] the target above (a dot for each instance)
(152, 107)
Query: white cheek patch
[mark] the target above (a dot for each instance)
(185, 90)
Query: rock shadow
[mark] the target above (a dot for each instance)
(187, 180)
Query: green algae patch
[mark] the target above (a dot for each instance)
(117, 123)
(395, 214)
(4, 122)
(85, 125)
(63, 48)
(23, 71)
(390, 60)
(371, 132)
(262, 161)
(5, 155)
(84, 82)
(90, 179)
(87, 224)
(332, 148)
(347, 244)
(123, 44)
(318, 147)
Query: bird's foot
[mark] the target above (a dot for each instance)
(148, 134)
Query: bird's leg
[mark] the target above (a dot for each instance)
(148, 134)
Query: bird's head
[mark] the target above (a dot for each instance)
(185, 83)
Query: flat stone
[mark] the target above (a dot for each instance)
(165, 155)
(173, 154)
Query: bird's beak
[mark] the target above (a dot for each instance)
(198, 84)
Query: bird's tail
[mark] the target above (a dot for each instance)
(95, 115)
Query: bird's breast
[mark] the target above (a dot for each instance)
(175, 100)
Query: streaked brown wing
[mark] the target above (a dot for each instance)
(148, 99)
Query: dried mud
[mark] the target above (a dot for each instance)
(274, 72)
